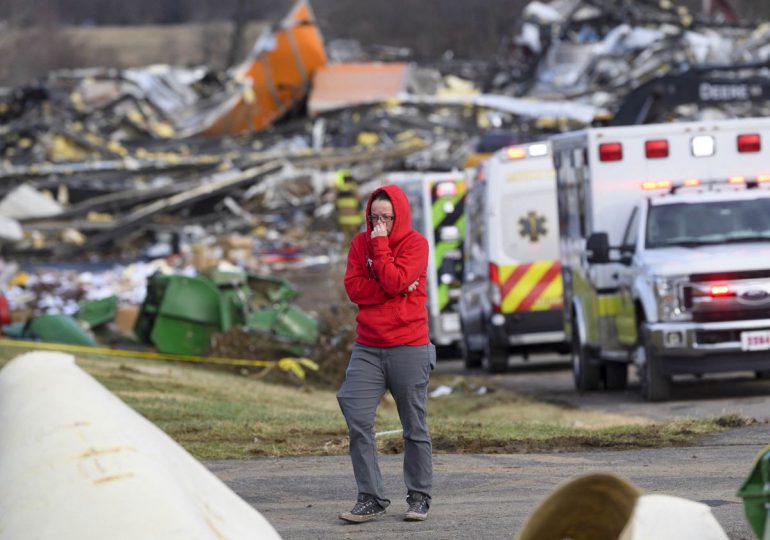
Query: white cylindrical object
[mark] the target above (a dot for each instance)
(78, 464)
(664, 517)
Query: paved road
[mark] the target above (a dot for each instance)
(489, 496)
(549, 378)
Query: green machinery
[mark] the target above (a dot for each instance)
(755, 492)
(181, 313)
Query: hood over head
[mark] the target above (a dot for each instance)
(402, 220)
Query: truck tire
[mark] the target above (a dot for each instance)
(656, 385)
(471, 358)
(495, 356)
(615, 375)
(584, 369)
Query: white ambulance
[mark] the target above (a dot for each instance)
(511, 296)
(437, 201)
(665, 250)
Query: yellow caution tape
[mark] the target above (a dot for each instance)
(295, 365)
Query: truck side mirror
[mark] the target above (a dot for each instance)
(598, 248)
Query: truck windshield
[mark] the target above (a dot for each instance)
(719, 222)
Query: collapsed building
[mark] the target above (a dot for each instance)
(197, 167)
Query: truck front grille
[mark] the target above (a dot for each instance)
(731, 315)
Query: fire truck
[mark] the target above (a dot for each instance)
(665, 250)
(437, 201)
(511, 297)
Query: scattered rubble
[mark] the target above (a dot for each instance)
(181, 170)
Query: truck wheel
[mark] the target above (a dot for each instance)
(496, 356)
(656, 385)
(471, 358)
(615, 375)
(584, 369)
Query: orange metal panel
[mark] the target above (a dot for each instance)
(339, 85)
(280, 77)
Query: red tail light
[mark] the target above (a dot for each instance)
(656, 149)
(749, 143)
(494, 283)
(610, 152)
(494, 276)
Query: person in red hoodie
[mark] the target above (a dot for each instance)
(386, 279)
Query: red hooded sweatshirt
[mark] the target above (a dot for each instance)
(378, 274)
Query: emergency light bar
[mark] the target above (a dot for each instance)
(695, 182)
(700, 146)
(446, 189)
(515, 152)
(660, 184)
(537, 150)
(532, 150)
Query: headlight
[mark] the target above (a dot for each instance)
(668, 299)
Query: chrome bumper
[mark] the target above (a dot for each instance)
(701, 339)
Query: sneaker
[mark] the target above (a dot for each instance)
(366, 509)
(418, 507)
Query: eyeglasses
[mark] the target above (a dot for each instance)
(384, 219)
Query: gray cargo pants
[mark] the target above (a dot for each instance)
(405, 371)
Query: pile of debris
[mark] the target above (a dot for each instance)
(199, 168)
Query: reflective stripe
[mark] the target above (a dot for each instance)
(609, 305)
(350, 220)
(532, 286)
(347, 203)
(441, 219)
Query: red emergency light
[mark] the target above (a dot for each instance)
(610, 152)
(656, 149)
(749, 143)
(721, 290)
(494, 276)
(446, 189)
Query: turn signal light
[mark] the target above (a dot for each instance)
(660, 184)
(516, 152)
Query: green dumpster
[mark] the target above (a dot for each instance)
(755, 492)
(97, 312)
(180, 314)
(58, 328)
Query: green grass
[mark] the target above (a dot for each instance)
(220, 414)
